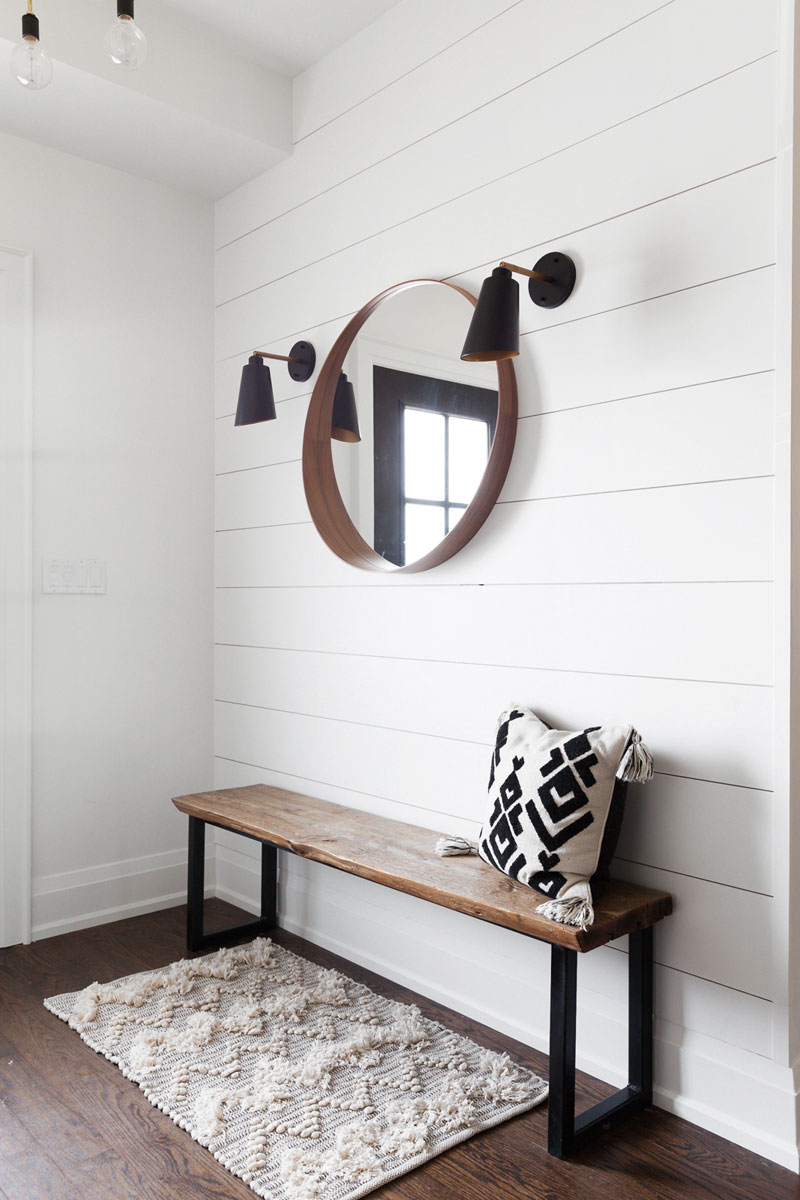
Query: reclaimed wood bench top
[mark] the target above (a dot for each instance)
(401, 856)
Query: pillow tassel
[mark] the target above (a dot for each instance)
(571, 911)
(446, 847)
(636, 765)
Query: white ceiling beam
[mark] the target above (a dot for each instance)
(194, 116)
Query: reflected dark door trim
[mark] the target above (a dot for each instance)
(393, 391)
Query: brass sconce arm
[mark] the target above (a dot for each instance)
(279, 357)
(301, 355)
(531, 274)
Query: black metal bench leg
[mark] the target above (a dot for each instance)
(640, 1014)
(269, 885)
(196, 883)
(561, 1103)
(266, 921)
(566, 1132)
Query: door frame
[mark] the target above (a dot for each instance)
(16, 593)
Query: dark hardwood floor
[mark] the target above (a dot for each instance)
(73, 1128)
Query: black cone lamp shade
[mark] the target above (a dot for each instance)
(344, 423)
(494, 330)
(256, 402)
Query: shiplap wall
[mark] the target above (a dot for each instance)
(625, 573)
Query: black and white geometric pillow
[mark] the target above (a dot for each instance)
(550, 803)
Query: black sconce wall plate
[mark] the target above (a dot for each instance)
(305, 359)
(553, 292)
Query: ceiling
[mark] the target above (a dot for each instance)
(281, 35)
(212, 106)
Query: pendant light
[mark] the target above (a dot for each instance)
(344, 423)
(30, 66)
(125, 43)
(494, 330)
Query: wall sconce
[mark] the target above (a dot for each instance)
(494, 330)
(344, 423)
(256, 401)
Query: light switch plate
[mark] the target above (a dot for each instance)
(73, 576)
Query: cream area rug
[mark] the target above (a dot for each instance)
(302, 1082)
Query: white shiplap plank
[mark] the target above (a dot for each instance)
(434, 170)
(665, 246)
(578, 451)
(229, 772)
(435, 177)
(716, 331)
(549, 445)
(674, 244)
(730, 126)
(362, 69)
(457, 704)
(708, 928)
(702, 532)
(278, 441)
(683, 825)
(647, 441)
(261, 496)
(714, 631)
(722, 328)
(430, 772)
(461, 36)
(674, 823)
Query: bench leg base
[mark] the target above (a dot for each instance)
(196, 939)
(566, 1132)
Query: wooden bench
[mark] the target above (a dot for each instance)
(402, 857)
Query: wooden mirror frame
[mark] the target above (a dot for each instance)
(328, 510)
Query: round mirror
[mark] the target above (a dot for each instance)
(406, 447)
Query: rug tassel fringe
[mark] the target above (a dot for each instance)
(637, 762)
(452, 845)
(573, 911)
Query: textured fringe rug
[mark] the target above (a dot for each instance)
(302, 1082)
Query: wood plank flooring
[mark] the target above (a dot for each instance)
(73, 1128)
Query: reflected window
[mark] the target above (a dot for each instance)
(444, 458)
(432, 442)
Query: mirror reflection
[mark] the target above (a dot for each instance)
(413, 424)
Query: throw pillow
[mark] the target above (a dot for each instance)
(551, 796)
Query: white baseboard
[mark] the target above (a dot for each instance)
(743, 1097)
(99, 895)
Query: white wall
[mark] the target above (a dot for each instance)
(626, 572)
(121, 462)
